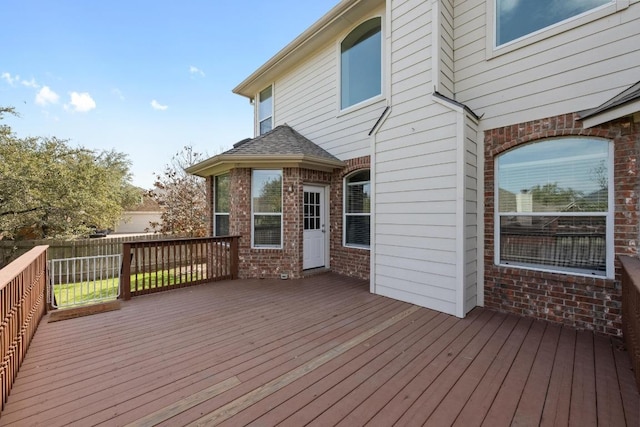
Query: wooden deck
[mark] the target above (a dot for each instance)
(319, 351)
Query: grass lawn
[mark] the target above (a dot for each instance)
(81, 293)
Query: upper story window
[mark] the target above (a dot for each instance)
(553, 206)
(361, 63)
(221, 205)
(357, 209)
(265, 110)
(515, 19)
(266, 204)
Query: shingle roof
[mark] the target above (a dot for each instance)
(281, 141)
(281, 147)
(628, 95)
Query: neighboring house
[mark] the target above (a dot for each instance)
(388, 132)
(139, 218)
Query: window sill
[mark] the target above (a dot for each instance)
(566, 272)
(363, 104)
(364, 248)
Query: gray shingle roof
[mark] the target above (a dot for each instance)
(281, 141)
(628, 95)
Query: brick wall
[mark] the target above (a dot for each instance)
(582, 302)
(270, 263)
(352, 262)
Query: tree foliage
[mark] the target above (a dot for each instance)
(50, 189)
(183, 197)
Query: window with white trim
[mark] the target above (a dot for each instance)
(221, 205)
(357, 209)
(266, 208)
(265, 110)
(516, 19)
(361, 63)
(554, 206)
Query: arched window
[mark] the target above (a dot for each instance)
(554, 206)
(361, 64)
(357, 209)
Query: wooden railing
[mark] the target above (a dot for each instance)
(160, 265)
(22, 304)
(570, 250)
(631, 310)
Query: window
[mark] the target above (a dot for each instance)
(265, 110)
(553, 206)
(357, 209)
(266, 200)
(361, 64)
(519, 18)
(221, 205)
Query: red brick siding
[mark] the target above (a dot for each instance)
(352, 262)
(583, 302)
(270, 263)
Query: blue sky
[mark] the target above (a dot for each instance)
(142, 77)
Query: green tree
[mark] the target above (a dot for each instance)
(183, 197)
(50, 189)
(551, 196)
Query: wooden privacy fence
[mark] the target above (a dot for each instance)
(77, 248)
(156, 266)
(631, 310)
(23, 303)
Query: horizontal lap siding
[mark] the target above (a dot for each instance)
(575, 70)
(447, 85)
(415, 174)
(306, 98)
(471, 215)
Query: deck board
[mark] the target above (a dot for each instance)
(318, 351)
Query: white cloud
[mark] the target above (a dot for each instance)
(81, 102)
(30, 83)
(507, 6)
(46, 96)
(196, 70)
(11, 80)
(157, 106)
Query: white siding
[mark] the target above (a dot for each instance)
(577, 69)
(306, 98)
(425, 171)
(415, 155)
(447, 86)
(471, 219)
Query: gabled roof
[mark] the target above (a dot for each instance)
(625, 103)
(338, 19)
(281, 147)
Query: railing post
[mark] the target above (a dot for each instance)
(125, 273)
(631, 310)
(234, 257)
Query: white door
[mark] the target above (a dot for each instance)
(313, 248)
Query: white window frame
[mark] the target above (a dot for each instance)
(609, 220)
(375, 98)
(280, 214)
(345, 214)
(215, 207)
(492, 50)
(258, 121)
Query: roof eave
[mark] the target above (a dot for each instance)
(225, 162)
(317, 34)
(611, 114)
